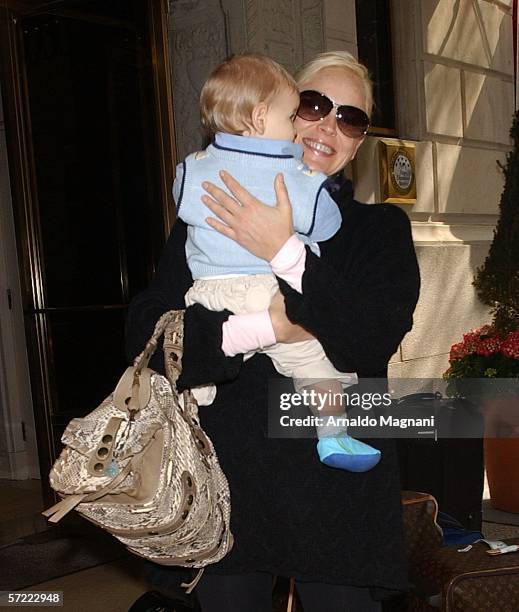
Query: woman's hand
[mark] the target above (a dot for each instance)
(259, 228)
(284, 330)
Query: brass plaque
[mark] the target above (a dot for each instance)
(397, 171)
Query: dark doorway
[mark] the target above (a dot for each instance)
(86, 108)
(373, 20)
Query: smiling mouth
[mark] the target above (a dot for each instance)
(318, 147)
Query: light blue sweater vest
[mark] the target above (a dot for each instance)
(316, 216)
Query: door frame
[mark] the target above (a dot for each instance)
(24, 192)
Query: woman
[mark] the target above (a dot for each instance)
(338, 533)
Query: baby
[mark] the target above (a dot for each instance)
(249, 103)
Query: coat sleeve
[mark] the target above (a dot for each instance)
(361, 308)
(203, 361)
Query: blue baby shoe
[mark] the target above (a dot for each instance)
(346, 453)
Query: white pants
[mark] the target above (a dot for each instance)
(305, 362)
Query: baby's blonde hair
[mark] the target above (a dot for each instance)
(341, 60)
(236, 86)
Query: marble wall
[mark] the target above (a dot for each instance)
(453, 63)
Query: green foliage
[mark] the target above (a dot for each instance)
(497, 281)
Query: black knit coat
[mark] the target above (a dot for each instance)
(291, 515)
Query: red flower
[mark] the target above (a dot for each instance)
(510, 346)
(458, 351)
(488, 346)
(483, 341)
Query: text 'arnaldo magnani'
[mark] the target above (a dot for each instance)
(399, 408)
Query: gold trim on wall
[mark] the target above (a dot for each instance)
(158, 19)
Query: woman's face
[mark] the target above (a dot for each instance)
(325, 147)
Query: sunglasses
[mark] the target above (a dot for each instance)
(314, 106)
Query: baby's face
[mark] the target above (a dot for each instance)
(281, 112)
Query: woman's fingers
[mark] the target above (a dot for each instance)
(258, 227)
(221, 227)
(223, 214)
(282, 199)
(220, 211)
(283, 204)
(243, 197)
(220, 197)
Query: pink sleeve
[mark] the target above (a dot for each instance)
(289, 262)
(248, 332)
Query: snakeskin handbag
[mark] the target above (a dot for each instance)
(141, 467)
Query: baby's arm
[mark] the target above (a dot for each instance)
(247, 332)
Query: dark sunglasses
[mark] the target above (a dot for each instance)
(352, 121)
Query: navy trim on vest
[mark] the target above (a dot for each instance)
(315, 208)
(184, 168)
(217, 146)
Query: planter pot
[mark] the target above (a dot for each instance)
(502, 466)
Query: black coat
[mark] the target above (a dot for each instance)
(291, 515)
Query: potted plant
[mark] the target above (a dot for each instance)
(486, 352)
(492, 351)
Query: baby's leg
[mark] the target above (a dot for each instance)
(330, 406)
(240, 295)
(335, 447)
(306, 363)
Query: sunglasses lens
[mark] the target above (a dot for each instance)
(352, 121)
(313, 106)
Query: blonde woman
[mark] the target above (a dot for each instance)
(338, 533)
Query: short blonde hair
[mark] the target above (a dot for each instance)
(341, 60)
(236, 86)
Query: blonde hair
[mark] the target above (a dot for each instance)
(236, 86)
(343, 61)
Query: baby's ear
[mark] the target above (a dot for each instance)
(259, 118)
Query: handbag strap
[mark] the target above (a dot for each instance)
(173, 346)
(136, 375)
(174, 320)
